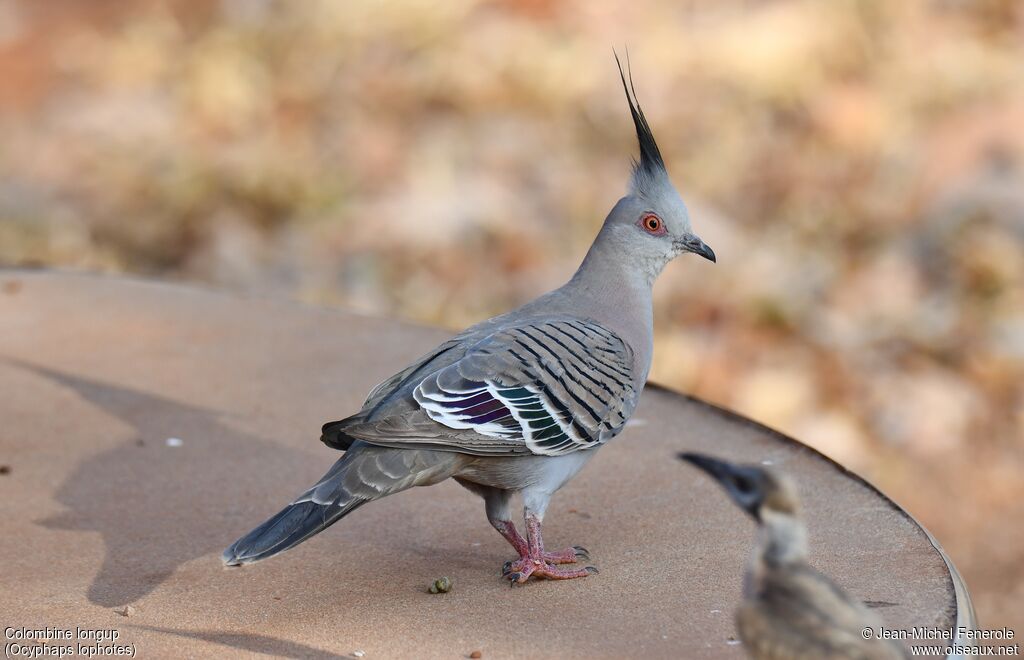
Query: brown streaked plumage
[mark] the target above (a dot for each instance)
(790, 610)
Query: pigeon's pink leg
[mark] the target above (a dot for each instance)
(507, 529)
(568, 556)
(534, 561)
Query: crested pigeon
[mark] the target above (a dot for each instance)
(789, 609)
(519, 403)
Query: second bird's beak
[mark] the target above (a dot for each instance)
(719, 470)
(741, 482)
(697, 246)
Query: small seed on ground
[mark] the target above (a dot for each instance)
(441, 585)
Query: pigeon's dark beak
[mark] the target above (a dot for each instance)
(697, 246)
(706, 252)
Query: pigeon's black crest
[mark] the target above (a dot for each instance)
(650, 162)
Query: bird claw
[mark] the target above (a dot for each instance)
(570, 555)
(519, 571)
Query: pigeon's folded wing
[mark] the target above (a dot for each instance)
(547, 387)
(335, 435)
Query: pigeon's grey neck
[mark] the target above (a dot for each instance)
(614, 287)
(609, 269)
(609, 288)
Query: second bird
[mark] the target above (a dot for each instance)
(790, 610)
(516, 404)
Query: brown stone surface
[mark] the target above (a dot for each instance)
(99, 512)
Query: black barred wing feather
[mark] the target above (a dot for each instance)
(388, 387)
(556, 386)
(341, 434)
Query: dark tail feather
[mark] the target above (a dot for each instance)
(314, 511)
(290, 527)
(365, 473)
(333, 435)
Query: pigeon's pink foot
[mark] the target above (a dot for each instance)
(519, 571)
(567, 556)
(534, 560)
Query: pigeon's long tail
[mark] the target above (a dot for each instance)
(365, 473)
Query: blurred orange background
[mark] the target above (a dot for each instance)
(858, 166)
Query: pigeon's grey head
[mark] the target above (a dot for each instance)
(651, 222)
(761, 493)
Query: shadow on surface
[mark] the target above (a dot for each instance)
(158, 506)
(252, 643)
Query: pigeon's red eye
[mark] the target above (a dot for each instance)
(652, 224)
